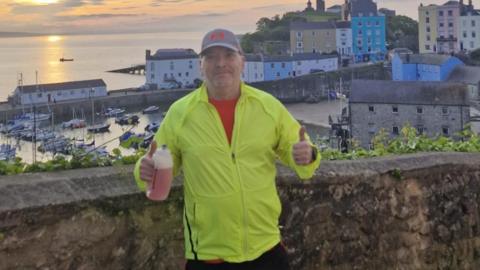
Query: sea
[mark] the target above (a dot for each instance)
(31, 60)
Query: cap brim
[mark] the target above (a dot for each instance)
(228, 46)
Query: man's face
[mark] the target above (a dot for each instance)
(222, 67)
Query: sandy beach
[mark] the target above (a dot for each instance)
(316, 113)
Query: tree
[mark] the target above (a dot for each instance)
(402, 32)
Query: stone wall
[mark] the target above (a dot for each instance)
(404, 212)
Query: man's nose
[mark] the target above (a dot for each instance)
(220, 61)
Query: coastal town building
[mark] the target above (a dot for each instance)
(469, 28)
(448, 28)
(388, 12)
(281, 67)
(321, 37)
(470, 76)
(335, 9)
(56, 92)
(253, 70)
(172, 68)
(368, 31)
(423, 67)
(432, 108)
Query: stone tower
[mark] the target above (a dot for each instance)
(320, 6)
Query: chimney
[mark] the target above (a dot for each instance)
(148, 53)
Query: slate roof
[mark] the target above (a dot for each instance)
(250, 57)
(465, 74)
(298, 57)
(412, 93)
(172, 54)
(428, 59)
(62, 86)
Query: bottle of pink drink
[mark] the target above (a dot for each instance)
(159, 188)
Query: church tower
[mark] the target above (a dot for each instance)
(320, 6)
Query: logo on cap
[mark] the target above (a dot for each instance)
(217, 36)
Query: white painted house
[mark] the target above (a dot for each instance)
(469, 31)
(172, 68)
(306, 63)
(344, 39)
(253, 70)
(56, 92)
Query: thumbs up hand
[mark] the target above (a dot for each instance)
(147, 168)
(302, 151)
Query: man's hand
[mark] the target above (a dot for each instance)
(147, 168)
(302, 151)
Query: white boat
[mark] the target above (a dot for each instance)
(74, 123)
(151, 109)
(7, 152)
(152, 127)
(99, 128)
(114, 112)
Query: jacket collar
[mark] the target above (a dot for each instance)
(202, 94)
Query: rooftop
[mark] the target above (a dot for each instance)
(170, 54)
(429, 59)
(62, 86)
(465, 74)
(413, 93)
(319, 25)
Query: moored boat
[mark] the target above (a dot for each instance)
(151, 109)
(99, 128)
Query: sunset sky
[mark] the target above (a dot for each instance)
(107, 16)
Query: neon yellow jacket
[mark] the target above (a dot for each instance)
(231, 201)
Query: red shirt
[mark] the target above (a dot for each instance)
(226, 110)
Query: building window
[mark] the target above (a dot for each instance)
(445, 131)
(473, 23)
(464, 34)
(395, 109)
(420, 130)
(187, 74)
(440, 13)
(360, 32)
(152, 66)
(395, 130)
(179, 74)
(272, 65)
(299, 34)
(299, 44)
(371, 108)
(40, 95)
(419, 110)
(313, 33)
(450, 24)
(283, 65)
(359, 23)
(444, 110)
(278, 74)
(427, 47)
(152, 76)
(472, 45)
(428, 37)
(428, 29)
(473, 34)
(450, 13)
(377, 23)
(427, 20)
(441, 25)
(371, 128)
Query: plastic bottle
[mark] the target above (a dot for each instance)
(160, 186)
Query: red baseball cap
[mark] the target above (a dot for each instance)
(220, 37)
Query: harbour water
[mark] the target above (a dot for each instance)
(93, 56)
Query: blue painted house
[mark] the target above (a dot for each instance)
(423, 67)
(368, 31)
(277, 67)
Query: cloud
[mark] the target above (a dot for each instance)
(96, 16)
(158, 3)
(79, 3)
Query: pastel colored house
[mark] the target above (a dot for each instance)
(57, 92)
(253, 70)
(423, 67)
(171, 67)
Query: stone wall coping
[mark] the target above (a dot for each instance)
(34, 190)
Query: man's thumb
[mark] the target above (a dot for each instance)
(153, 148)
(302, 133)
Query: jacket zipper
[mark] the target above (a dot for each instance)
(233, 148)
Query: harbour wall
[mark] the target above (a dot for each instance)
(416, 211)
(312, 87)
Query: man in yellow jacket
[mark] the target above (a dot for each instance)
(225, 137)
